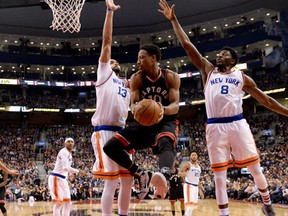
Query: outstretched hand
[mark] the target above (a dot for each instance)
(111, 5)
(13, 172)
(167, 10)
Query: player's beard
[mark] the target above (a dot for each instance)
(116, 70)
(221, 67)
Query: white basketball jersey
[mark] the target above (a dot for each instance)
(193, 174)
(113, 98)
(64, 160)
(223, 94)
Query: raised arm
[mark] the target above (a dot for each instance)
(267, 101)
(202, 64)
(105, 55)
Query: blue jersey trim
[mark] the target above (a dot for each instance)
(107, 128)
(196, 185)
(225, 119)
(58, 175)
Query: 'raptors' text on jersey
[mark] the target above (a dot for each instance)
(223, 94)
(156, 89)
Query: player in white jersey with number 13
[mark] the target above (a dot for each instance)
(227, 132)
(112, 103)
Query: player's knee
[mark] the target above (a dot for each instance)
(220, 178)
(2, 207)
(113, 145)
(255, 170)
(165, 144)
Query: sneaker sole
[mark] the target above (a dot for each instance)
(158, 180)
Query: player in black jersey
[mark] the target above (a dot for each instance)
(3, 183)
(11, 172)
(176, 190)
(161, 85)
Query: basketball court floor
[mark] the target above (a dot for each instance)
(142, 208)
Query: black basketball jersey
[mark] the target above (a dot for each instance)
(1, 176)
(175, 180)
(156, 89)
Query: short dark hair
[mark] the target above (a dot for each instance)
(152, 50)
(233, 54)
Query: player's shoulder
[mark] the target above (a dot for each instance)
(137, 74)
(171, 73)
(63, 151)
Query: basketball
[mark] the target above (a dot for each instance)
(147, 112)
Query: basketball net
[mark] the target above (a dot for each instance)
(66, 14)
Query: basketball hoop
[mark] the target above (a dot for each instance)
(66, 14)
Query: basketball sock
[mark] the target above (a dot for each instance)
(124, 196)
(265, 198)
(56, 209)
(173, 212)
(108, 196)
(183, 212)
(66, 208)
(224, 212)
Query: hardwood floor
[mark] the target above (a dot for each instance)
(142, 208)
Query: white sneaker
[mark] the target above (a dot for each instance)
(159, 181)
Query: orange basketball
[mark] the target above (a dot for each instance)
(147, 112)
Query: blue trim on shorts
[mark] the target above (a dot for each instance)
(58, 175)
(196, 185)
(225, 119)
(107, 128)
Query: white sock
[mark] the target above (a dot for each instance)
(224, 212)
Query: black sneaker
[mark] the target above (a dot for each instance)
(144, 178)
(268, 210)
(167, 172)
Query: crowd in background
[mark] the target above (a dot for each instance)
(19, 149)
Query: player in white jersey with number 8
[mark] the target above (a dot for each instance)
(227, 131)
